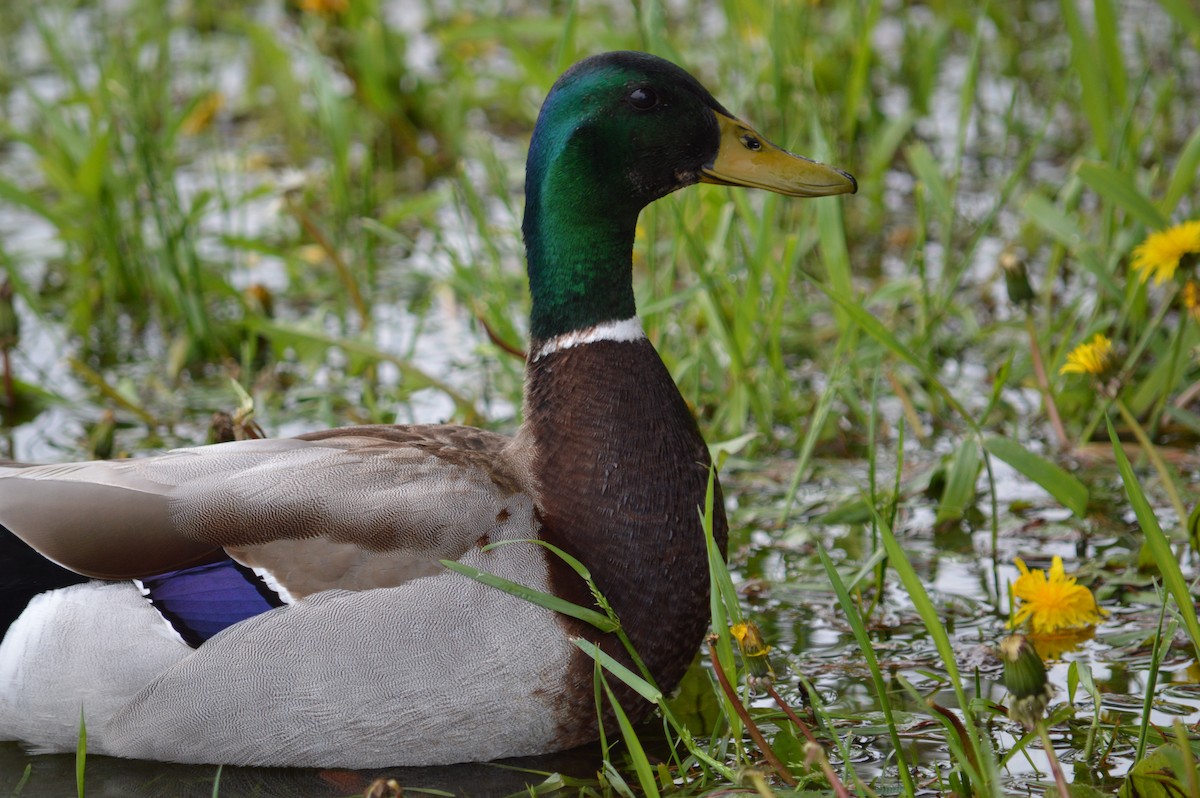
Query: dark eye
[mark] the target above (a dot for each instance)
(751, 143)
(643, 98)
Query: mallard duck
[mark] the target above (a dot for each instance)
(281, 601)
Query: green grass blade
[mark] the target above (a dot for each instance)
(1156, 541)
(550, 602)
(25, 776)
(865, 647)
(1183, 176)
(1185, 14)
(80, 755)
(575, 564)
(1109, 44)
(959, 493)
(898, 560)
(925, 169)
(813, 433)
(1060, 484)
(1151, 682)
(877, 330)
(637, 753)
(1091, 80)
(726, 608)
(637, 683)
(15, 195)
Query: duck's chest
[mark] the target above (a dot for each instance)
(623, 473)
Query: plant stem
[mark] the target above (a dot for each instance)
(1055, 767)
(839, 788)
(1039, 372)
(787, 710)
(755, 733)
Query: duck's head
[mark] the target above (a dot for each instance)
(618, 131)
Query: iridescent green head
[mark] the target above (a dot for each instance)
(617, 132)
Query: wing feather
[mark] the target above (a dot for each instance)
(357, 507)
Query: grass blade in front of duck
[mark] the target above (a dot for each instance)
(80, 755)
(724, 608)
(641, 686)
(644, 684)
(547, 600)
(637, 753)
(601, 602)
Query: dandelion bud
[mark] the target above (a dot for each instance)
(1025, 677)
(755, 655)
(1016, 278)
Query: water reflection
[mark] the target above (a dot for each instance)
(54, 775)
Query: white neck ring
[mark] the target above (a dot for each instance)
(624, 331)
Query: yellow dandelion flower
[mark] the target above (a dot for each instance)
(755, 655)
(1159, 255)
(1052, 602)
(1093, 358)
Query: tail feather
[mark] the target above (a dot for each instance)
(23, 574)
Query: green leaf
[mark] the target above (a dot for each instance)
(1183, 176)
(1155, 776)
(1064, 487)
(1045, 215)
(1156, 541)
(958, 495)
(722, 449)
(1108, 42)
(1119, 189)
(547, 600)
(925, 168)
(89, 178)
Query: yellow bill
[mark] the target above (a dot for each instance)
(745, 158)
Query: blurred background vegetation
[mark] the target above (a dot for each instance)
(321, 201)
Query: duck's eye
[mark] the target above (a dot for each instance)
(643, 98)
(751, 142)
